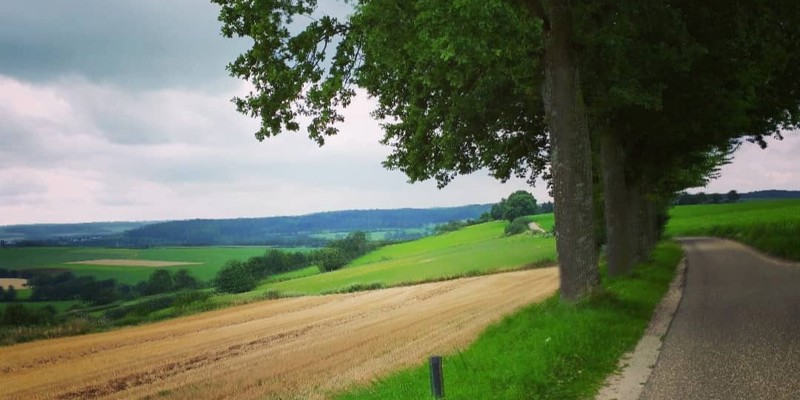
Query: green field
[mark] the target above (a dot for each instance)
(210, 260)
(770, 226)
(475, 249)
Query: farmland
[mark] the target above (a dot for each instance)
(770, 226)
(477, 249)
(204, 261)
(289, 348)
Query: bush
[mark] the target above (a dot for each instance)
(331, 259)
(187, 298)
(519, 225)
(18, 315)
(235, 277)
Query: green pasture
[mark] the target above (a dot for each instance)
(770, 226)
(475, 249)
(210, 260)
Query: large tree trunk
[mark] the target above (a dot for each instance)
(620, 239)
(571, 158)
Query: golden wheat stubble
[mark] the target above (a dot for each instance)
(305, 347)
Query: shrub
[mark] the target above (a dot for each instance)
(185, 299)
(331, 259)
(519, 225)
(235, 277)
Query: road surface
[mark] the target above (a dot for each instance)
(736, 334)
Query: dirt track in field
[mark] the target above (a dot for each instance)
(299, 348)
(133, 263)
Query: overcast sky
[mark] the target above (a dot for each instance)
(120, 110)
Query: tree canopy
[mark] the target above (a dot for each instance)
(665, 91)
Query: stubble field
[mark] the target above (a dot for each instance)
(303, 347)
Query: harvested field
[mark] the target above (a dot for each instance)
(17, 283)
(290, 348)
(133, 263)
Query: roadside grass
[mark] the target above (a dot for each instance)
(549, 350)
(211, 259)
(478, 249)
(770, 226)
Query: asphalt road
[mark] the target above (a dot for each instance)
(736, 334)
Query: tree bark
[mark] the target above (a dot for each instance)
(571, 158)
(620, 239)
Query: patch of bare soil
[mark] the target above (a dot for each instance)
(17, 283)
(133, 263)
(303, 347)
(535, 228)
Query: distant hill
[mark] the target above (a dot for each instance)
(65, 231)
(771, 195)
(305, 230)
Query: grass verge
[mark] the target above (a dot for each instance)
(550, 350)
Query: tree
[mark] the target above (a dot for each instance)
(519, 204)
(451, 89)
(331, 259)
(712, 76)
(160, 281)
(235, 277)
(183, 280)
(732, 196)
(2, 294)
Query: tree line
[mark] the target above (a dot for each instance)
(618, 104)
(241, 276)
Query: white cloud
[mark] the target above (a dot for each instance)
(175, 154)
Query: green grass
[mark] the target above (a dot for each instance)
(550, 350)
(770, 226)
(472, 250)
(211, 259)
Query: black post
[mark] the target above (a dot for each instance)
(437, 377)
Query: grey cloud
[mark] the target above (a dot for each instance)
(143, 43)
(132, 43)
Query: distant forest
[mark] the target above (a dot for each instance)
(313, 230)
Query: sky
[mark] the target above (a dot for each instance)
(117, 111)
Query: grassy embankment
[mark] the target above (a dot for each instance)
(475, 250)
(770, 226)
(550, 350)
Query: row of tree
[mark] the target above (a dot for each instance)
(618, 103)
(68, 286)
(241, 276)
(706, 198)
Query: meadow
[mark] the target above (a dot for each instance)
(209, 260)
(770, 226)
(474, 250)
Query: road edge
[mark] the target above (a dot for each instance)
(634, 367)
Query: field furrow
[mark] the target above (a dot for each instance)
(291, 348)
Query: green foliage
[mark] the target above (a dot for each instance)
(331, 259)
(17, 314)
(519, 225)
(519, 204)
(770, 226)
(187, 298)
(182, 280)
(160, 282)
(235, 277)
(551, 350)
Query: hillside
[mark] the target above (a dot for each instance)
(304, 230)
